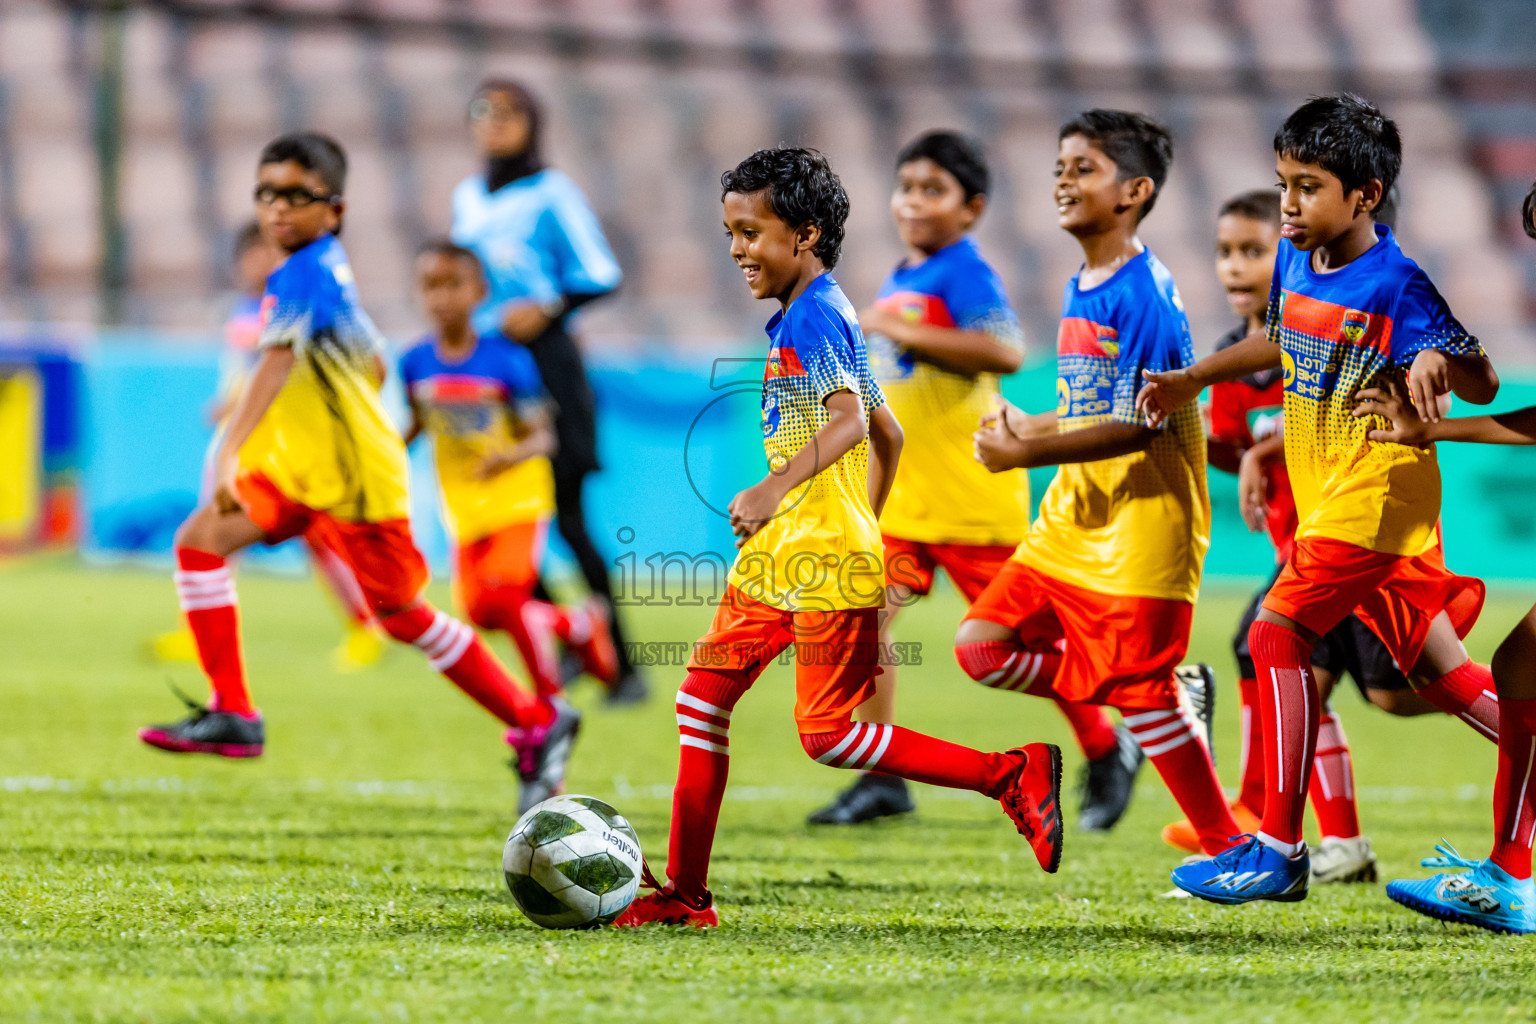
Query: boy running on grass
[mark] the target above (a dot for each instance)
(1096, 603)
(310, 449)
(809, 572)
(1247, 437)
(939, 335)
(1347, 310)
(481, 399)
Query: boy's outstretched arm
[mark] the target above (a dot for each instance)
(752, 508)
(1470, 378)
(1408, 427)
(266, 381)
(1003, 443)
(540, 440)
(885, 439)
(951, 347)
(1164, 392)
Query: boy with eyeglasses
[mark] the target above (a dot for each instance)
(310, 449)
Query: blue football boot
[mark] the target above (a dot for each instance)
(1247, 872)
(1484, 897)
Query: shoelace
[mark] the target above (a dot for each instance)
(199, 711)
(1448, 858)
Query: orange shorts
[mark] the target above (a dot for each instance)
(509, 557)
(911, 564)
(1396, 596)
(382, 556)
(836, 654)
(1118, 650)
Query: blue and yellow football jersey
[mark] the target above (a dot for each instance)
(1136, 525)
(326, 441)
(941, 494)
(1352, 328)
(473, 408)
(823, 549)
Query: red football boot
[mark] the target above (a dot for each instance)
(1033, 801)
(666, 907)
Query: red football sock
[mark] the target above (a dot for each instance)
(1251, 789)
(1288, 704)
(1168, 739)
(207, 595)
(1008, 665)
(1468, 693)
(457, 651)
(339, 577)
(911, 755)
(533, 627)
(704, 705)
(1333, 780)
(1514, 789)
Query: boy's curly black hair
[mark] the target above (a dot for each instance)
(958, 154)
(1139, 146)
(1528, 211)
(1346, 136)
(802, 189)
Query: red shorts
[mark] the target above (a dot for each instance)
(509, 557)
(1118, 650)
(389, 570)
(836, 654)
(911, 564)
(1396, 596)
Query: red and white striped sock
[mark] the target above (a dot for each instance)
(1169, 740)
(1288, 705)
(1251, 761)
(1333, 780)
(1468, 693)
(704, 705)
(533, 626)
(456, 650)
(206, 592)
(1008, 665)
(911, 755)
(1514, 789)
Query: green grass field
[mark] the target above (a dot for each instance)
(352, 874)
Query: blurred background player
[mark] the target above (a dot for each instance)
(481, 400)
(1347, 308)
(1096, 603)
(255, 259)
(940, 333)
(544, 256)
(832, 447)
(309, 447)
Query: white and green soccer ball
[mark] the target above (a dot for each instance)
(572, 862)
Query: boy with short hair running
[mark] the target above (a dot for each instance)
(1347, 309)
(310, 449)
(1096, 603)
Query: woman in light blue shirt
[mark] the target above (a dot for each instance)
(545, 255)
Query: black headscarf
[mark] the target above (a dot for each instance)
(507, 168)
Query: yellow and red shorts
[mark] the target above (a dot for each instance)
(389, 570)
(1117, 650)
(510, 557)
(912, 563)
(1395, 595)
(836, 654)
